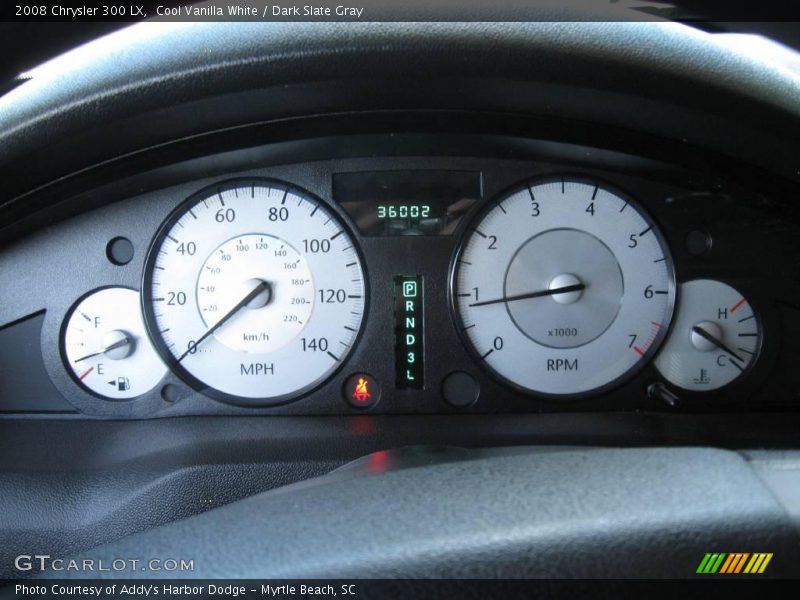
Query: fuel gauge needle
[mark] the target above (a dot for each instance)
(118, 344)
(718, 343)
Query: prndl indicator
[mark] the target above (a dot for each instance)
(409, 336)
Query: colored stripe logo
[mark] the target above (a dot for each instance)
(734, 563)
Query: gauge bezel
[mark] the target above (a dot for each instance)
(149, 312)
(476, 215)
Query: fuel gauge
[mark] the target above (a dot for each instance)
(106, 347)
(715, 337)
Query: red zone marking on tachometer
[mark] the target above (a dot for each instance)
(642, 352)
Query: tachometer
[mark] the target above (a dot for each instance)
(563, 287)
(254, 292)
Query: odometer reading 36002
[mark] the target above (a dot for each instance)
(563, 287)
(254, 292)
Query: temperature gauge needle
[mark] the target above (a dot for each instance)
(540, 294)
(718, 343)
(239, 305)
(118, 344)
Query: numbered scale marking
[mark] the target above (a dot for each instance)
(254, 292)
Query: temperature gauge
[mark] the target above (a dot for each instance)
(715, 337)
(106, 348)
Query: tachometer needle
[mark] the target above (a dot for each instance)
(239, 305)
(118, 344)
(540, 294)
(718, 343)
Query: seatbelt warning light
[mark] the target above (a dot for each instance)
(361, 390)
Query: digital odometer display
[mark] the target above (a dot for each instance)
(393, 203)
(404, 211)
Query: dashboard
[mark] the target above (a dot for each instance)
(518, 275)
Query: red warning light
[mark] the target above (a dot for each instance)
(361, 390)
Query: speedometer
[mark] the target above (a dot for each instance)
(563, 287)
(254, 292)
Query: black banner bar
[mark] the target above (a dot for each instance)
(126, 11)
(410, 589)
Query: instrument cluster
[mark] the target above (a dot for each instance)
(413, 285)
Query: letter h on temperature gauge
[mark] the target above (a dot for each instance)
(409, 333)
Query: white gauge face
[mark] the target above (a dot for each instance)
(715, 338)
(254, 292)
(106, 345)
(563, 287)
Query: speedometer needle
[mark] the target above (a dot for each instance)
(718, 343)
(540, 294)
(239, 305)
